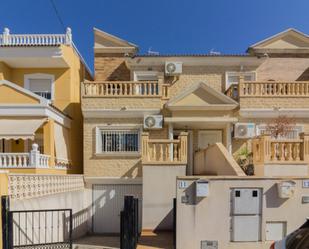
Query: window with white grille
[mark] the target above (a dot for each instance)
(232, 78)
(118, 141)
(40, 84)
(41, 87)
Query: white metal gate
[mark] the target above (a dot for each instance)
(108, 200)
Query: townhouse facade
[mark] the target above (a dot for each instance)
(149, 119)
(168, 129)
(41, 121)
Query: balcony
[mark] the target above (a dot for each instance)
(123, 97)
(270, 95)
(31, 160)
(274, 89)
(25, 160)
(35, 50)
(107, 89)
(164, 151)
(7, 39)
(288, 157)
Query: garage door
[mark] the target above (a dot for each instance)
(108, 201)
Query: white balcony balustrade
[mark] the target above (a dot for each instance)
(7, 39)
(25, 160)
(122, 89)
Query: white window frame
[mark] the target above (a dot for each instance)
(98, 138)
(51, 77)
(149, 74)
(232, 73)
(260, 127)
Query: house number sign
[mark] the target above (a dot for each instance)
(305, 183)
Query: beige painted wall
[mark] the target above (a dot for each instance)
(213, 75)
(216, 160)
(108, 166)
(158, 193)
(209, 218)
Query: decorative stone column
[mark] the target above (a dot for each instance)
(183, 137)
(304, 146)
(6, 36)
(145, 147)
(68, 36)
(35, 156)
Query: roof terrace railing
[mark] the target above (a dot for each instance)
(7, 39)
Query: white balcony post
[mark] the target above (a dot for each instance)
(68, 36)
(34, 156)
(171, 137)
(6, 34)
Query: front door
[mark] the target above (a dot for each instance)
(208, 137)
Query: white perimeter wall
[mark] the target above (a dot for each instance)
(209, 218)
(78, 201)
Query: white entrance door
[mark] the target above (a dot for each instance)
(209, 137)
(108, 200)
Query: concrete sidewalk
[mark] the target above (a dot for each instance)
(148, 240)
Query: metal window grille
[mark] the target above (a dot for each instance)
(120, 140)
(46, 95)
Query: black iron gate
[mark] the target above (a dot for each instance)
(174, 221)
(50, 228)
(129, 229)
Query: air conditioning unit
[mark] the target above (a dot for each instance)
(244, 130)
(173, 68)
(153, 121)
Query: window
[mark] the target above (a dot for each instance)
(118, 141)
(232, 78)
(293, 134)
(40, 84)
(145, 75)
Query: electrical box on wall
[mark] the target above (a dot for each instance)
(209, 244)
(202, 188)
(286, 189)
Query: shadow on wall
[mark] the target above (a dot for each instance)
(304, 76)
(134, 171)
(165, 224)
(272, 198)
(120, 73)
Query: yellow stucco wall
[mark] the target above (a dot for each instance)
(5, 71)
(67, 96)
(9, 95)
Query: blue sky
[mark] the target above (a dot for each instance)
(167, 26)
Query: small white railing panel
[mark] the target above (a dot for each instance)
(14, 160)
(24, 160)
(7, 39)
